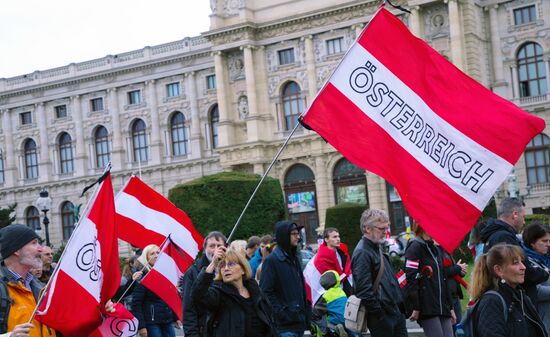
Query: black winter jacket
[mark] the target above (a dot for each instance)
(227, 313)
(147, 307)
(194, 316)
(282, 282)
(426, 284)
(365, 264)
(522, 318)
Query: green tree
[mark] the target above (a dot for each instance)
(6, 217)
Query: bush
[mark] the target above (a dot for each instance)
(215, 202)
(345, 217)
(542, 218)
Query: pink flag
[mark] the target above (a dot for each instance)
(397, 108)
(146, 217)
(163, 278)
(89, 272)
(120, 323)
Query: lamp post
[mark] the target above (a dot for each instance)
(44, 203)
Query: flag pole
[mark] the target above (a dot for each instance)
(261, 181)
(55, 271)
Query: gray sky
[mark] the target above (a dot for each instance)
(44, 34)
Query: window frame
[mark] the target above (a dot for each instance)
(531, 84)
(25, 117)
(67, 216)
(214, 125)
(134, 97)
(96, 104)
(32, 220)
(289, 102)
(170, 91)
(30, 159)
(140, 144)
(66, 158)
(544, 148)
(286, 56)
(330, 44)
(60, 108)
(525, 14)
(179, 135)
(211, 82)
(101, 147)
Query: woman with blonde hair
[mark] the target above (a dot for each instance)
(503, 308)
(236, 305)
(155, 317)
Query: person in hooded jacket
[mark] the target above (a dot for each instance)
(236, 305)
(511, 218)
(283, 282)
(426, 288)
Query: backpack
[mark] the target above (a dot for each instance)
(468, 321)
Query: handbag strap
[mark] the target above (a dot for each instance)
(381, 271)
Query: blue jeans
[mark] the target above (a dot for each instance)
(292, 334)
(160, 330)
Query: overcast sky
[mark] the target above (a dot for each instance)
(44, 34)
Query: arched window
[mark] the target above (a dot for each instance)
(537, 160)
(32, 217)
(214, 121)
(31, 160)
(179, 133)
(293, 104)
(139, 141)
(350, 183)
(301, 199)
(66, 153)
(102, 152)
(67, 219)
(531, 70)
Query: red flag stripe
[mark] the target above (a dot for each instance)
(415, 181)
(454, 96)
(161, 286)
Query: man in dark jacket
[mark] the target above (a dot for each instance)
(194, 316)
(384, 317)
(511, 219)
(283, 282)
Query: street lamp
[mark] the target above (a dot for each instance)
(44, 203)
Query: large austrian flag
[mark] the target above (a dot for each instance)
(397, 108)
(89, 272)
(146, 217)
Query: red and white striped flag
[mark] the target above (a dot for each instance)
(401, 278)
(120, 323)
(146, 217)
(89, 272)
(397, 108)
(163, 278)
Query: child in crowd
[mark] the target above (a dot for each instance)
(328, 312)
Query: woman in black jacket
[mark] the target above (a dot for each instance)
(506, 311)
(155, 317)
(427, 295)
(236, 305)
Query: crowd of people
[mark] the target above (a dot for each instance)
(256, 288)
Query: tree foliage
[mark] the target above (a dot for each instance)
(6, 216)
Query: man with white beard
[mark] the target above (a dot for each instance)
(20, 251)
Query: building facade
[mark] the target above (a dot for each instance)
(228, 99)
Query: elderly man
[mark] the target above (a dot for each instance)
(383, 299)
(20, 250)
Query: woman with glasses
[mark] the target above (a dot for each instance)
(429, 301)
(155, 317)
(236, 305)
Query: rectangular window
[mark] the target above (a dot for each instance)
(26, 117)
(173, 89)
(334, 46)
(286, 56)
(525, 15)
(60, 111)
(211, 82)
(96, 104)
(134, 97)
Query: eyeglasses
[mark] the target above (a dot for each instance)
(381, 228)
(228, 264)
(294, 233)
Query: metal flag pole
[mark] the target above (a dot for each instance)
(261, 181)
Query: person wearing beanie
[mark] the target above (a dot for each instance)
(283, 282)
(20, 251)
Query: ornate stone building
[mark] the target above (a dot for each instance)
(227, 100)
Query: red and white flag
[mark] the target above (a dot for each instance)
(401, 278)
(163, 278)
(120, 323)
(146, 217)
(397, 108)
(88, 274)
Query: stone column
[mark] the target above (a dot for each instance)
(415, 21)
(515, 82)
(196, 140)
(499, 85)
(310, 68)
(455, 30)
(117, 151)
(156, 144)
(225, 129)
(321, 185)
(358, 30)
(45, 162)
(252, 122)
(9, 156)
(80, 156)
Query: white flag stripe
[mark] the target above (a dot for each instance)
(313, 277)
(126, 205)
(357, 57)
(166, 266)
